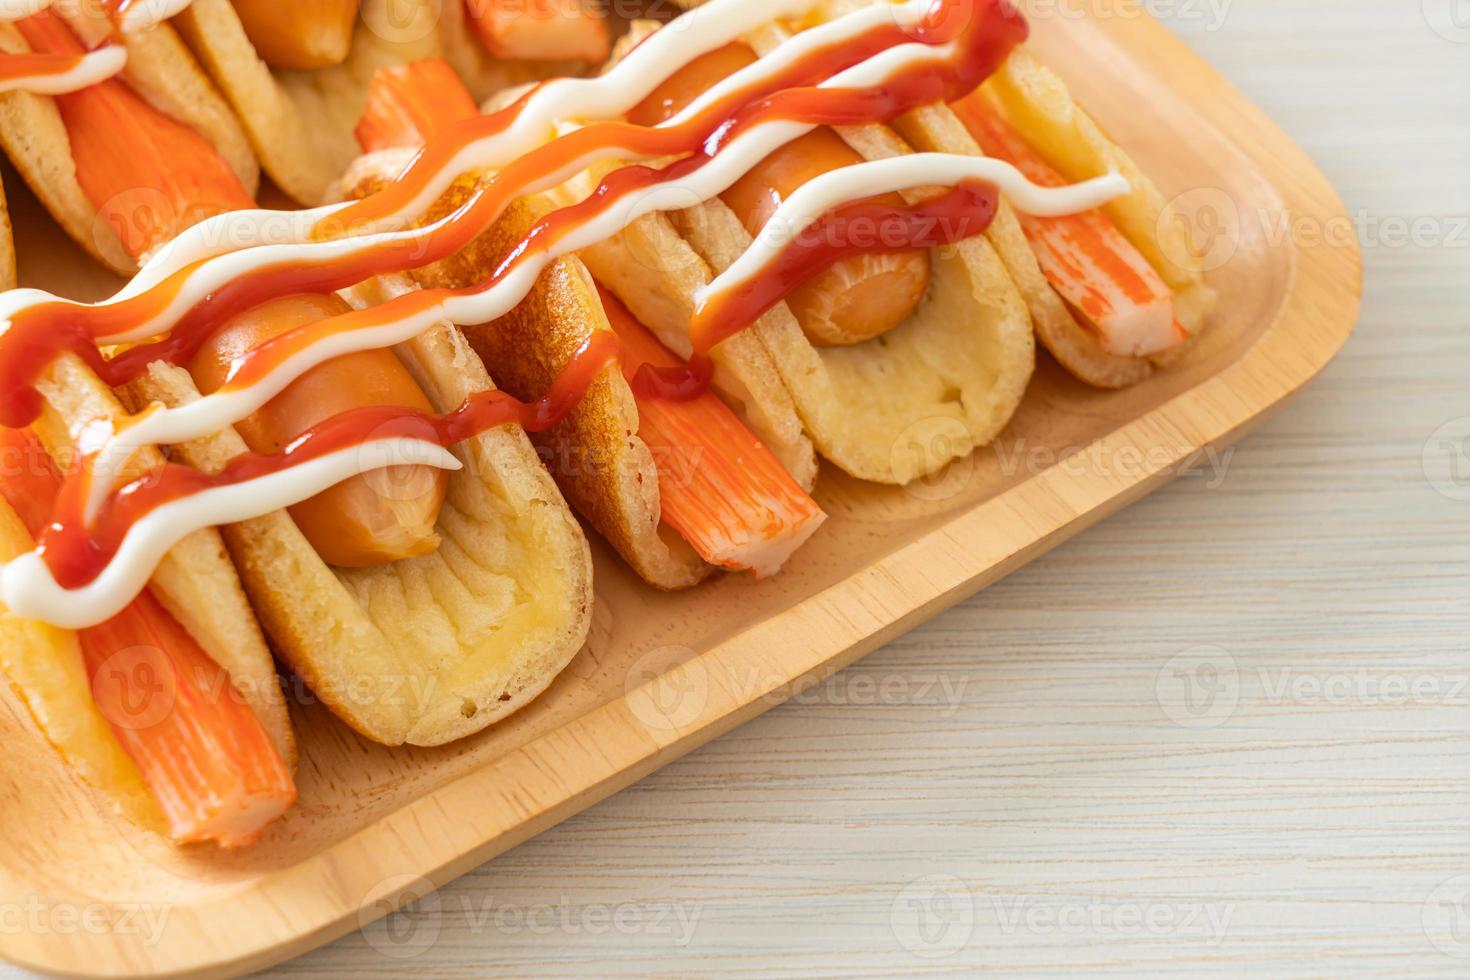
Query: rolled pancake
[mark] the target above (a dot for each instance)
(160, 70)
(655, 273)
(902, 405)
(605, 469)
(431, 649)
(195, 582)
(1037, 104)
(301, 122)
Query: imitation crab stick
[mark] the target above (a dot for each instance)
(852, 300)
(1084, 256)
(153, 177)
(398, 114)
(719, 486)
(539, 30)
(148, 175)
(203, 753)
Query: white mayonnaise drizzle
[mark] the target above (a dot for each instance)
(26, 584)
(22, 586)
(819, 196)
(608, 96)
(222, 408)
(94, 66)
(30, 590)
(264, 236)
(701, 30)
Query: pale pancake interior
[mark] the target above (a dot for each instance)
(430, 649)
(901, 406)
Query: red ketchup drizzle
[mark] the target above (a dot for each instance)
(986, 30)
(678, 383)
(963, 212)
(77, 553)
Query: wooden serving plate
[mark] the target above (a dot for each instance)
(84, 892)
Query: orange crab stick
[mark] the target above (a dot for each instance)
(540, 30)
(397, 112)
(204, 755)
(1084, 256)
(152, 177)
(149, 176)
(719, 486)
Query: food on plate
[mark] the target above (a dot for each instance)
(1114, 291)
(900, 356)
(679, 486)
(297, 73)
(74, 135)
(758, 234)
(537, 30)
(420, 603)
(170, 707)
(467, 590)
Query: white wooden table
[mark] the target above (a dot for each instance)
(1228, 729)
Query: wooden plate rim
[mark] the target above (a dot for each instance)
(487, 811)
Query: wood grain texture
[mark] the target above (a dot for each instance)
(1026, 744)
